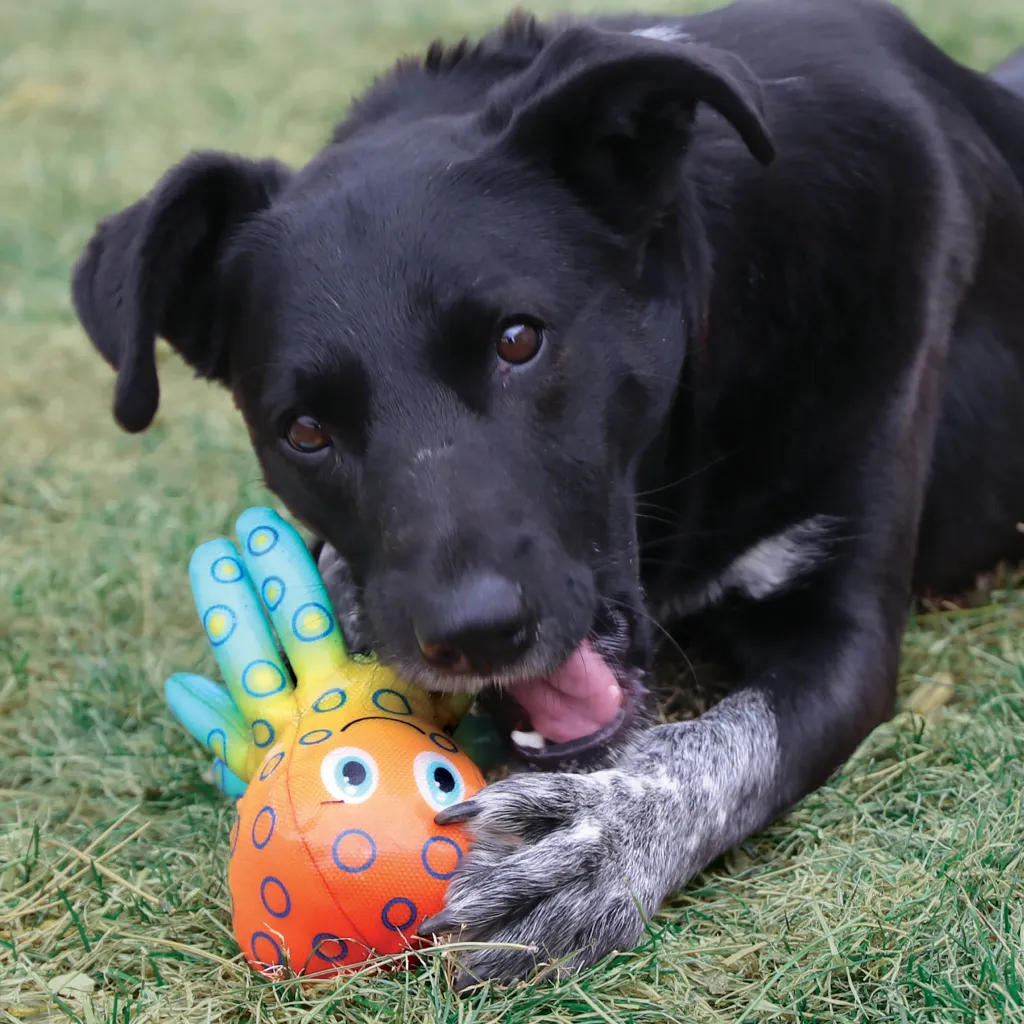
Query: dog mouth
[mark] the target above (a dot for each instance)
(583, 705)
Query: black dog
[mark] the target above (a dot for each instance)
(721, 315)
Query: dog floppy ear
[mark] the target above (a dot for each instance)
(152, 269)
(610, 114)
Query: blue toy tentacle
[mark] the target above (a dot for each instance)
(285, 576)
(206, 710)
(240, 635)
(227, 781)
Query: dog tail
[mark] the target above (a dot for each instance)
(1010, 72)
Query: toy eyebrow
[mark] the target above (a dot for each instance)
(381, 718)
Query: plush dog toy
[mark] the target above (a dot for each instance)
(335, 855)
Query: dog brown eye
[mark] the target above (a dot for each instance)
(306, 435)
(518, 343)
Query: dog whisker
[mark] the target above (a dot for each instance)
(686, 478)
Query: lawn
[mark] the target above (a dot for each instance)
(893, 894)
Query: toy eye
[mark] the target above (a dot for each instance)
(349, 774)
(438, 780)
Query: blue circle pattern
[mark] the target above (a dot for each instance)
(380, 694)
(323, 939)
(270, 831)
(219, 778)
(273, 592)
(388, 912)
(261, 540)
(329, 700)
(260, 663)
(217, 742)
(264, 937)
(271, 766)
(354, 869)
(277, 892)
(440, 841)
(314, 736)
(226, 569)
(262, 736)
(305, 609)
(219, 609)
(446, 743)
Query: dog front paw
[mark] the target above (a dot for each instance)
(565, 867)
(344, 595)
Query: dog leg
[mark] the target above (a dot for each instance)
(573, 866)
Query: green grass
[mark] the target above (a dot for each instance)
(893, 894)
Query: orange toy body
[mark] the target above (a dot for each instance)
(335, 854)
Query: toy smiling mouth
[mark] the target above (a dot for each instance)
(580, 706)
(382, 718)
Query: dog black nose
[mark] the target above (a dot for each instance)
(480, 625)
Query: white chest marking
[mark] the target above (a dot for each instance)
(764, 569)
(774, 563)
(665, 33)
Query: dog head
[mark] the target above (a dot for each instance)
(453, 336)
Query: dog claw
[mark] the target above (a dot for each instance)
(458, 812)
(438, 924)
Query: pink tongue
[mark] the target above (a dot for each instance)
(578, 699)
